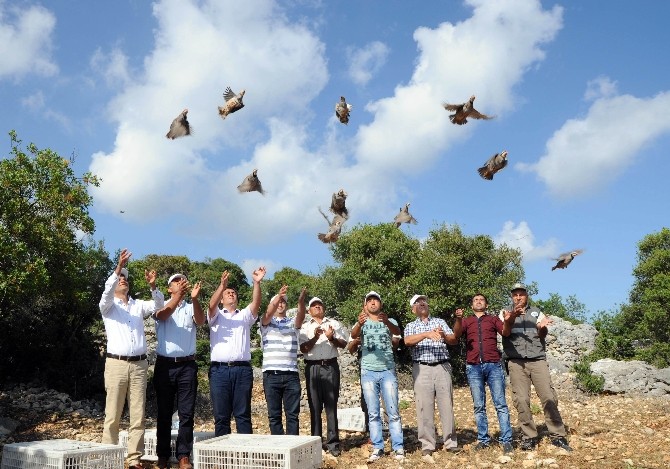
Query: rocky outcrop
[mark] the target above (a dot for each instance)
(632, 377)
(567, 343)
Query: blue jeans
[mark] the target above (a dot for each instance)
(383, 384)
(230, 391)
(282, 387)
(492, 374)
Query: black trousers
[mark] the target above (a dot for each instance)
(180, 381)
(323, 391)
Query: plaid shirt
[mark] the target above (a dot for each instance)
(429, 351)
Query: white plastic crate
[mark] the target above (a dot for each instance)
(150, 443)
(237, 451)
(351, 419)
(62, 454)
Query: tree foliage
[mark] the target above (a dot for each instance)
(570, 309)
(641, 328)
(51, 276)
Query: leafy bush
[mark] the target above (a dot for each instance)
(587, 381)
(257, 358)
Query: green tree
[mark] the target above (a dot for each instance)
(570, 309)
(51, 275)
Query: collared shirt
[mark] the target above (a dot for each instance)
(323, 349)
(176, 334)
(124, 323)
(279, 340)
(481, 338)
(428, 350)
(230, 335)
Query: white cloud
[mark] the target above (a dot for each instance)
(113, 66)
(601, 87)
(587, 153)
(248, 266)
(36, 103)
(521, 237)
(25, 41)
(282, 65)
(367, 61)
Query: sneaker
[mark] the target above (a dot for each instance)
(507, 447)
(335, 452)
(427, 456)
(562, 443)
(399, 454)
(454, 449)
(482, 446)
(528, 444)
(376, 455)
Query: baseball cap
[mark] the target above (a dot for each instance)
(416, 298)
(124, 272)
(519, 286)
(314, 300)
(176, 277)
(285, 297)
(373, 293)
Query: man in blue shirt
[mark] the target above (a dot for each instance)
(176, 372)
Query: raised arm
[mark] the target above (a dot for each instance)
(198, 312)
(302, 310)
(256, 278)
(216, 296)
(171, 306)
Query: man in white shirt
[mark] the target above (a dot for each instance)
(231, 378)
(126, 364)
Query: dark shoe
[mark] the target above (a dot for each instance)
(482, 446)
(162, 463)
(528, 444)
(335, 452)
(562, 443)
(507, 448)
(454, 450)
(184, 463)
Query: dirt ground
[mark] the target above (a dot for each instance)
(604, 431)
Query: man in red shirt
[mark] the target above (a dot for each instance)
(483, 366)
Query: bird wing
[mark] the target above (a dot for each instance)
(228, 94)
(179, 127)
(478, 115)
(452, 107)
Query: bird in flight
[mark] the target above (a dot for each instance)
(493, 165)
(233, 103)
(342, 110)
(565, 259)
(251, 183)
(179, 127)
(463, 111)
(404, 217)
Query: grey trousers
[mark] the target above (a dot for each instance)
(433, 384)
(521, 374)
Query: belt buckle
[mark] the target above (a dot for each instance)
(229, 364)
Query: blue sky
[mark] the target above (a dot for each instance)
(581, 92)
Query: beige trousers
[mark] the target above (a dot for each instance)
(521, 374)
(125, 380)
(432, 384)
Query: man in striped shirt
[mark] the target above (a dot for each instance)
(431, 371)
(281, 382)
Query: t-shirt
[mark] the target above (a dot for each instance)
(377, 346)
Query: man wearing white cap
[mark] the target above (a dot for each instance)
(428, 337)
(378, 376)
(320, 339)
(176, 371)
(525, 350)
(126, 364)
(281, 381)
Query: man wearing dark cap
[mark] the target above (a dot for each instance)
(378, 376)
(176, 372)
(525, 350)
(320, 339)
(126, 364)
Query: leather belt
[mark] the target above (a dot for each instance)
(232, 363)
(439, 362)
(188, 358)
(136, 358)
(327, 362)
(280, 372)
